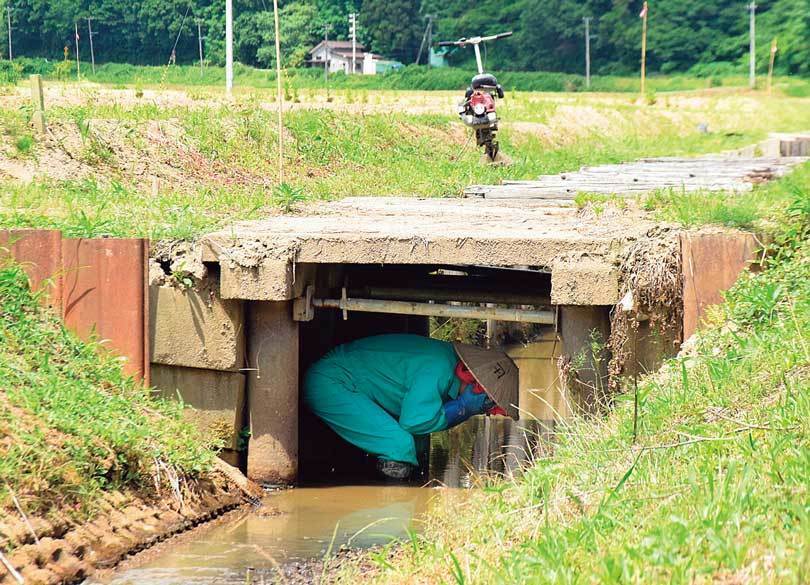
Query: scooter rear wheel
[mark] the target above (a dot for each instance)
(486, 137)
(491, 149)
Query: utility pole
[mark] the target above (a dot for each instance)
(199, 43)
(643, 16)
(90, 34)
(326, 57)
(228, 46)
(78, 66)
(427, 37)
(587, 21)
(279, 94)
(430, 37)
(8, 18)
(752, 45)
(353, 33)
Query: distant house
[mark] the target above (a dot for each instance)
(337, 56)
(438, 57)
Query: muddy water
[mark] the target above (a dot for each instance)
(309, 522)
(312, 521)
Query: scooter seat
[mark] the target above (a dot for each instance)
(484, 80)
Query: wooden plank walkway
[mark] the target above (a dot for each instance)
(713, 173)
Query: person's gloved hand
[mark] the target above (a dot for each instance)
(473, 398)
(496, 411)
(467, 404)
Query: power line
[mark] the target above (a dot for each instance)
(182, 24)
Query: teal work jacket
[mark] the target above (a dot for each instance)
(409, 376)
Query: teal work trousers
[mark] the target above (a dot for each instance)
(329, 392)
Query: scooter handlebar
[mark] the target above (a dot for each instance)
(472, 40)
(497, 36)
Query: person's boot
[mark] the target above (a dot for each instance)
(397, 470)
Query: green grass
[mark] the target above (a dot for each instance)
(598, 202)
(24, 144)
(72, 426)
(333, 154)
(414, 78)
(798, 88)
(735, 210)
(13, 123)
(712, 485)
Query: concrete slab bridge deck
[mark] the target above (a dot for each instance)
(257, 258)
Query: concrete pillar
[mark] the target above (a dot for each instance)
(272, 389)
(585, 331)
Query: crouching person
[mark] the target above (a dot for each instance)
(380, 392)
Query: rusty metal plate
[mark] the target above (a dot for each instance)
(104, 292)
(40, 254)
(712, 263)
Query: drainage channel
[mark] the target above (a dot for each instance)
(311, 522)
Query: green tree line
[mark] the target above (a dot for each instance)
(704, 36)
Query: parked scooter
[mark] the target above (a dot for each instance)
(477, 110)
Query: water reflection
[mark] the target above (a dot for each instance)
(495, 445)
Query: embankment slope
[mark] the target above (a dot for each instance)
(92, 467)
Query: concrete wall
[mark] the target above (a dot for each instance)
(217, 399)
(236, 363)
(584, 283)
(198, 347)
(542, 395)
(195, 328)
